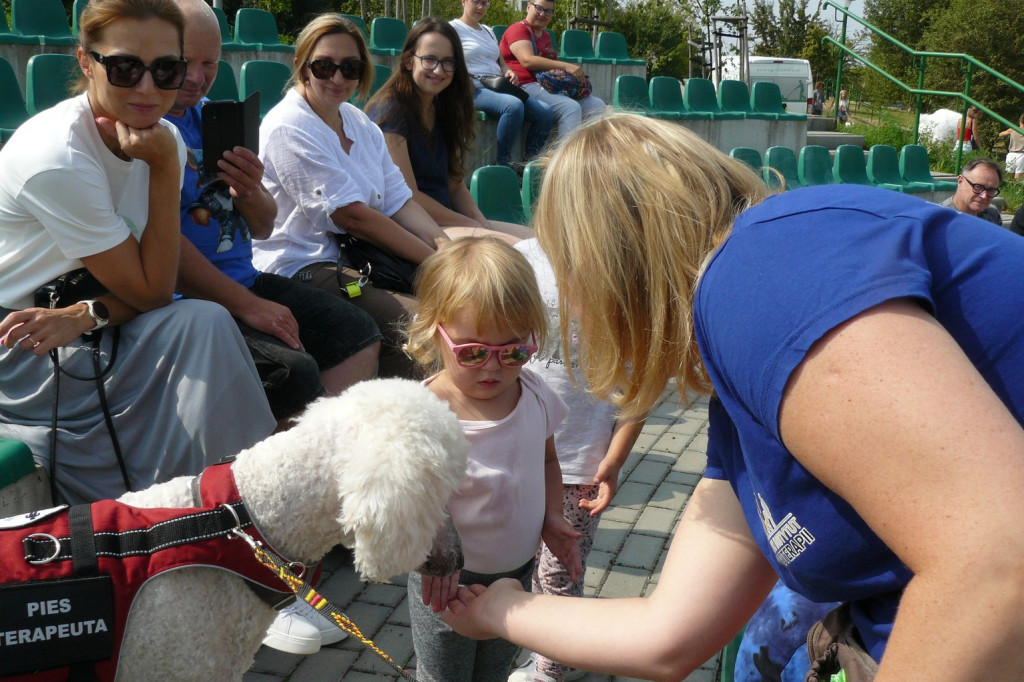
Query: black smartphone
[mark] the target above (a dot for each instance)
(228, 124)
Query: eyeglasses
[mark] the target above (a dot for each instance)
(125, 71)
(979, 188)
(324, 69)
(430, 62)
(483, 4)
(543, 11)
(473, 355)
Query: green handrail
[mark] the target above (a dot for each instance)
(920, 57)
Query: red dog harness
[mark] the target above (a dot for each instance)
(66, 603)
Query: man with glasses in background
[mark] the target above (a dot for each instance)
(976, 186)
(526, 48)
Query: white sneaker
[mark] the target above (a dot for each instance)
(528, 673)
(329, 632)
(293, 633)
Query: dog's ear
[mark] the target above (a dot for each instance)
(406, 456)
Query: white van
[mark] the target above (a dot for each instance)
(793, 76)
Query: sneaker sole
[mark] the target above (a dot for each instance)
(292, 645)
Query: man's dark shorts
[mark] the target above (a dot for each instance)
(331, 331)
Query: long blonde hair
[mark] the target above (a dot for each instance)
(629, 210)
(482, 274)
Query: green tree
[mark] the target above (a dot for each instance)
(653, 30)
(906, 21)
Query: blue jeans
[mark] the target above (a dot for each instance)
(511, 112)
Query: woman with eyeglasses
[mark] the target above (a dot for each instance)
(483, 58)
(426, 112)
(863, 352)
(159, 389)
(526, 48)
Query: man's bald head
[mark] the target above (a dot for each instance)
(202, 50)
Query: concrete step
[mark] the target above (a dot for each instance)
(820, 123)
(832, 140)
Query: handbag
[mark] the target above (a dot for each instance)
(834, 648)
(502, 85)
(66, 290)
(384, 270)
(559, 82)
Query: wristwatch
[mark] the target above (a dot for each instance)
(99, 313)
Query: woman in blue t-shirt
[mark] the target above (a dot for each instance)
(864, 351)
(426, 112)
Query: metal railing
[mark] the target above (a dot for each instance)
(967, 63)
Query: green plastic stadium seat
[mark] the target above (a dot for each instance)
(766, 98)
(884, 169)
(849, 167)
(43, 18)
(749, 156)
(266, 77)
(814, 166)
(16, 461)
(915, 167)
(48, 80)
(699, 97)
(258, 27)
(360, 24)
(227, 43)
(387, 36)
(783, 161)
(12, 106)
(225, 86)
(76, 12)
(666, 95)
(611, 45)
(532, 175)
(630, 94)
(577, 47)
(9, 38)
(496, 191)
(734, 96)
(499, 30)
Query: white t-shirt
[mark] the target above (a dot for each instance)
(499, 508)
(310, 177)
(64, 195)
(480, 47)
(582, 440)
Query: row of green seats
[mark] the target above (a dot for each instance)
(667, 98)
(906, 171)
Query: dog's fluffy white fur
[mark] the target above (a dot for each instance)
(371, 469)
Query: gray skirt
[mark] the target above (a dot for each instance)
(183, 393)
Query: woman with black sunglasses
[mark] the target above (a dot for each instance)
(328, 169)
(93, 184)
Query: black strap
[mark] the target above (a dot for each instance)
(202, 525)
(83, 541)
(99, 373)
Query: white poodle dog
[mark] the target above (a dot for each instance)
(371, 469)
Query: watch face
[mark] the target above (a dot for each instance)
(100, 311)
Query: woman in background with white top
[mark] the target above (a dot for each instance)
(483, 58)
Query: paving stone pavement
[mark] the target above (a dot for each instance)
(629, 552)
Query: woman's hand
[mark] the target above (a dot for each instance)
(439, 590)
(466, 612)
(154, 145)
(40, 329)
(575, 69)
(511, 76)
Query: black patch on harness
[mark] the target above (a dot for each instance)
(54, 623)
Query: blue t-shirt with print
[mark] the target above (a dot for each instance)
(208, 217)
(428, 153)
(793, 268)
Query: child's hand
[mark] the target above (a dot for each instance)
(607, 480)
(563, 541)
(439, 590)
(467, 611)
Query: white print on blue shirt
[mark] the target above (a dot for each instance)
(788, 539)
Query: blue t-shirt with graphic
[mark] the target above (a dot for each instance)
(793, 268)
(208, 217)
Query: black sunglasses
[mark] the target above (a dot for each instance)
(125, 71)
(324, 69)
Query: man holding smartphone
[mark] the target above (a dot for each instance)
(305, 342)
